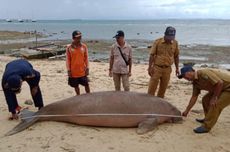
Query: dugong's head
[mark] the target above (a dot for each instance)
(178, 115)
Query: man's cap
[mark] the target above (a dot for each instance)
(170, 32)
(14, 81)
(76, 34)
(183, 70)
(119, 34)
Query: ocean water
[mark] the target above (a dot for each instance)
(192, 32)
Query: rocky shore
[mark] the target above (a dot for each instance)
(198, 55)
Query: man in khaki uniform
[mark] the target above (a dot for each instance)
(164, 52)
(217, 84)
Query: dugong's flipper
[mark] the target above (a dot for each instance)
(27, 120)
(146, 125)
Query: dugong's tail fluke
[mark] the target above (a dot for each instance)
(27, 120)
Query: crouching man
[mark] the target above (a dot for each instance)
(217, 84)
(15, 73)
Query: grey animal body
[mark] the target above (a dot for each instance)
(106, 109)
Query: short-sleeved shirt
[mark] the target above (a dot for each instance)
(164, 52)
(206, 79)
(19, 67)
(119, 65)
(77, 60)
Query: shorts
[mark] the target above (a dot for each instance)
(74, 82)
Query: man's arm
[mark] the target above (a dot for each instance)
(151, 64)
(11, 101)
(130, 61)
(86, 62)
(176, 60)
(111, 60)
(68, 61)
(153, 53)
(190, 105)
(130, 66)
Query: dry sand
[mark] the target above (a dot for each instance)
(63, 137)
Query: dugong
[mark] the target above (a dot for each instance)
(106, 109)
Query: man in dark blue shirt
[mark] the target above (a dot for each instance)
(15, 73)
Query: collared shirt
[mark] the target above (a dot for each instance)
(119, 65)
(164, 53)
(206, 79)
(77, 60)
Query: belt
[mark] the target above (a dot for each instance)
(163, 66)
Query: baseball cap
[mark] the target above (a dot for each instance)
(170, 32)
(119, 34)
(183, 70)
(14, 81)
(76, 34)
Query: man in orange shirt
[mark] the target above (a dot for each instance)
(77, 63)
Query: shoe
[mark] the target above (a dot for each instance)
(200, 130)
(200, 120)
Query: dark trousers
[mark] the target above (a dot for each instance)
(11, 99)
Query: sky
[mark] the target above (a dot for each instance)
(114, 9)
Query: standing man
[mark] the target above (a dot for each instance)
(217, 84)
(15, 73)
(77, 63)
(120, 62)
(164, 52)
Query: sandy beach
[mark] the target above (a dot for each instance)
(63, 137)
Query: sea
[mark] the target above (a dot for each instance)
(188, 31)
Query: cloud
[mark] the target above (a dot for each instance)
(110, 9)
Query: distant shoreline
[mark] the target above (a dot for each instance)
(189, 31)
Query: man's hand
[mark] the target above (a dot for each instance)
(130, 74)
(150, 71)
(177, 72)
(87, 71)
(185, 113)
(69, 74)
(110, 73)
(34, 90)
(213, 102)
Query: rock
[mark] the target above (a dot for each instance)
(28, 102)
(189, 63)
(204, 66)
(96, 60)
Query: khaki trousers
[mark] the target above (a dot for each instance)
(161, 75)
(212, 113)
(117, 81)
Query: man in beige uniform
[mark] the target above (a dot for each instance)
(164, 52)
(217, 84)
(120, 62)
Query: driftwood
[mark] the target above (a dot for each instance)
(62, 56)
(42, 55)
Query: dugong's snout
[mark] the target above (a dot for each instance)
(178, 117)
